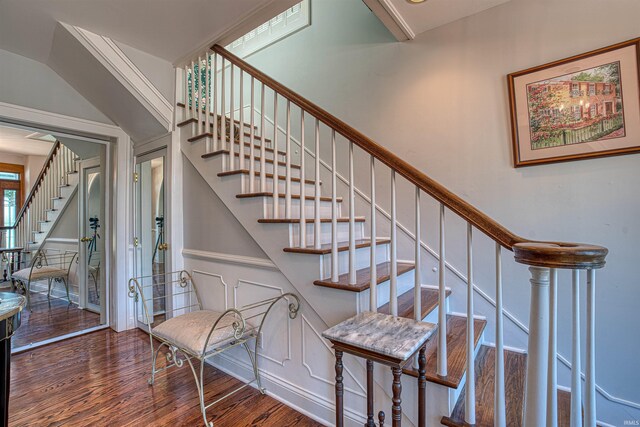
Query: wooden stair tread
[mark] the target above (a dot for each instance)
(342, 246)
(363, 277)
(246, 144)
(515, 373)
(268, 175)
(282, 196)
(429, 297)
(247, 156)
(307, 220)
(456, 352)
(210, 135)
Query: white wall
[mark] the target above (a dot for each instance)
(441, 103)
(32, 167)
(16, 159)
(32, 84)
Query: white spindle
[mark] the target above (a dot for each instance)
(192, 105)
(552, 374)
(470, 394)
(215, 102)
(275, 192)
(186, 92)
(417, 292)
(223, 116)
(590, 374)
(241, 126)
(576, 378)
(199, 124)
(442, 297)
(352, 220)
(373, 287)
(207, 98)
(334, 211)
(393, 279)
(316, 210)
(232, 115)
(303, 190)
(499, 406)
(287, 192)
(252, 135)
(263, 173)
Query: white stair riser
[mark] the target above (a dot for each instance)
(59, 203)
(46, 226)
(362, 259)
(52, 215)
(325, 208)
(282, 169)
(295, 186)
(405, 283)
(325, 232)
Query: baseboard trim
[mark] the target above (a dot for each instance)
(229, 258)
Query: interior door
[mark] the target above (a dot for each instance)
(150, 243)
(92, 282)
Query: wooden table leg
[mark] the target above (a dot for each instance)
(370, 421)
(339, 390)
(422, 388)
(396, 409)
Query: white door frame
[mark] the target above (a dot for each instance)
(117, 207)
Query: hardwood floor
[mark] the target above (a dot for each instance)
(50, 319)
(100, 379)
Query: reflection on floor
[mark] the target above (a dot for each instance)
(51, 318)
(100, 379)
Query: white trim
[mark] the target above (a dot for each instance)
(57, 339)
(61, 240)
(385, 7)
(115, 60)
(229, 258)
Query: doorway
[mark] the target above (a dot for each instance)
(150, 243)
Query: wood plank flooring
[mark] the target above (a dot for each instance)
(100, 379)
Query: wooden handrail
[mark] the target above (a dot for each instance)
(550, 254)
(45, 167)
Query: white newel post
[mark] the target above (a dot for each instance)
(535, 404)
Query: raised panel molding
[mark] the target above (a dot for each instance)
(229, 258)
(331, 356)
(222, 283)
(280, 291)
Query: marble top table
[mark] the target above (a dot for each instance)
(10, 304)
(397, 338)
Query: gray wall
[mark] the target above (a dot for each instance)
(208, 225)
(440, 102)
(67, 225)
(32, 84)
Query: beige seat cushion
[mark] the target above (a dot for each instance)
(190, 331)
(39, 273)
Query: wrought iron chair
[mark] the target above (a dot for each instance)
(192, 332)
(50, 264)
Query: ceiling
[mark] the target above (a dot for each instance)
(168, 29)
(18, 141)
(406, 20)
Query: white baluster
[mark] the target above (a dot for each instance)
(352, 220)
(417, 292)
(393, 279)
(192, 105)
(373, 268)
(276, 213)
(576, 378)
(552, 374)
(287, 192)
(215, 102)
(232, 115)
(499, 406)
(303, 190)
(252, 135)
(207, 99)
(263, 173)
(590, 374)
(186, 92)
(442, 301)
(470, 394)
(316, 210)
(199, 124)
(223, 116)
(535, 405)
(334, 211)
(241, 129)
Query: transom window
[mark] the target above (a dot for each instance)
(10, 176)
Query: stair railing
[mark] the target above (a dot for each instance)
(40, 199)
(212, 101)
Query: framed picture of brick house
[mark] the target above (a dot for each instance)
(581, 107)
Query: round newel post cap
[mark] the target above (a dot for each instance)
(560, 255)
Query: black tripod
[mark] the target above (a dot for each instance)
(160, 238)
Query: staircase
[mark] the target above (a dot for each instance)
(288, 192)
(54, 188)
